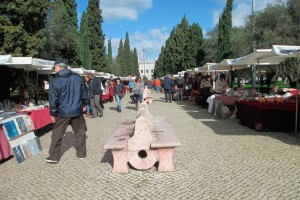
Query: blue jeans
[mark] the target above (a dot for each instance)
(119, 105)
(157, 88)
(138, 98)
(180, 94)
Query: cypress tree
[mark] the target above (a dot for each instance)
(96, 35)
(127, 68)
(23, 27)
(109, 62)
(135, 63)
(225, 32)
(85, 53)
(120, 59)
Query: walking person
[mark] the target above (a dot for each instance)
(180, 85)
(138, 90)
(67, 96)
(157, 85)
(119, 93)
(96, 89)
(168, 83)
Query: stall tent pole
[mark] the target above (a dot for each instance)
(297, 98)
(37, 86)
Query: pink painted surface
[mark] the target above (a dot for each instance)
(5, 150)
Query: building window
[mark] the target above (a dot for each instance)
(142, 71)
(147, 71)
(152, 71)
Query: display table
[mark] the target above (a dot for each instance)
(40, 118)
(273, 116)
(220, 102)
(193, 95)
(5, 149)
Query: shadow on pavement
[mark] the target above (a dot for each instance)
(107, 157)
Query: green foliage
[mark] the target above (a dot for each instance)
(85, 52)
(135, 63)
(120, 59)
(22, 27)
(96, 35)
(62, 35)
(127, 67)
(225, 31)
(182, 51)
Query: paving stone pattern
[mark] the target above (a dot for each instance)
(218, 159)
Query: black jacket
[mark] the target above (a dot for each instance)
(67, 94)
(95, 86)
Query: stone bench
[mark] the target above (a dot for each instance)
(142, 142)
(146, 96)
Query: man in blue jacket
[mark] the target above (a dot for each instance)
(67, 96)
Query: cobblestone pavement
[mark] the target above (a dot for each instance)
(218, 159)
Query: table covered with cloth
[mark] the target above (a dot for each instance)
(40, 118)
(273, 116)
(219, 104)
(5, 150)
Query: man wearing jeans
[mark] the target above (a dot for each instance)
(180, 84)
(67, 96)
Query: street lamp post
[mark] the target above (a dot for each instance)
(144, 63)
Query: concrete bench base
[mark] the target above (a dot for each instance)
(145, 147)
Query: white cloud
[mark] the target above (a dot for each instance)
(151, 41)
(113, 10)
(241, 9)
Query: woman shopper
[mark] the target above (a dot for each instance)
(119, 93)
(138, 89)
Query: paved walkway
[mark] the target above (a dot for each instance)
(218, 159)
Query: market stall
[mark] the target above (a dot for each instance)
(269, 116)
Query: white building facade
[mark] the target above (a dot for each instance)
(146, 68)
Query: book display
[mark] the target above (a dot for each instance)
(19, 131)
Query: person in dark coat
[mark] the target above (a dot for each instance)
(67, 96)
(119, 93)
(96, 89)
(168, 83)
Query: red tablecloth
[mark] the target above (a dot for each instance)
(5, 150)
(40, 118)
(194, 93)
(105, 97)
(273, 116)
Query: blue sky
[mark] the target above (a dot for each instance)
(149, 22)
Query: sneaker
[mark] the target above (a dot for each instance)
(92, 117)
(48, 160)
(81, 158)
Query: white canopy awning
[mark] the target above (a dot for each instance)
(259, 57)
(5, 59)
(228, 64)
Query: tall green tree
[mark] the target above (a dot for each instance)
(85, 52)
(96, 35)
(127, 68)
(135, 63)
(120, 59)
(109, 58)
(23, 27)
(182, 51)
(194, 42)
(62, 35)
(225, 32)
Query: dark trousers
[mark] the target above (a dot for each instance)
(79, 128)
(95, 105)
(168, 96)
